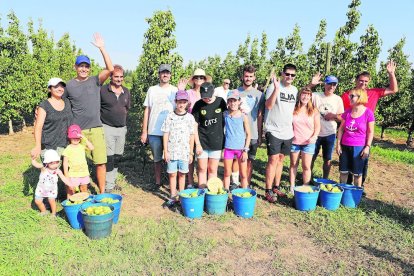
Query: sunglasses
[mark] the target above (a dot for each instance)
(351, 96)
(289, 75)
(199, 77)
(226, 83)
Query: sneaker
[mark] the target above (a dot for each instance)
(271, 196)
(117, 188)
(364, 194)
(189, 186)
(171, 202)
(233, 186)
(276, 190)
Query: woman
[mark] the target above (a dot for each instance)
(197, 79)
(355, 137)
(54, 116)
(306, 127)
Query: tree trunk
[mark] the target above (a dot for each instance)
(11, 131)
(410, 135)
(24, 126)
(382, 132)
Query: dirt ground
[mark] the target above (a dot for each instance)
(388, 182)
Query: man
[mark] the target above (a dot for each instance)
(252, 103)
(279, 105)
(159, 101)
(83, 93)
(374, 94)
(115, 103)
(222, 91)
(330, 107)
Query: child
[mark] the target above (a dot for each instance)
(178, 142)
(237, 139)
(74, 161)
(48, 178)
(208, 113)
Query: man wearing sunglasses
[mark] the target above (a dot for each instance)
(222, 91)
(330, 107)
(279, 105)
(374, 94)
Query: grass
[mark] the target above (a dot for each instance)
(391, 133)
(376, 238)
(394, 155)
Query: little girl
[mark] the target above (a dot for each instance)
(74, 160)
(48, 178)
(237, 139)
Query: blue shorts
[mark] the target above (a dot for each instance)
(177, 165)
(327, 143)
(350, 160)
(155, 143)
(308, 149)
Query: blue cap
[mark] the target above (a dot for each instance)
(331, 79)
(82, 59)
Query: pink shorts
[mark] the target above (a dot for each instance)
(76, 181)
(231, 153)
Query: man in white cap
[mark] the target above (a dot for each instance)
(330, 107)
(158, 102)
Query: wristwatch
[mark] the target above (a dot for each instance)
(246, 149)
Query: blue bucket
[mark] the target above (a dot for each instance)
(192, 206)
(73, 213)
(216, 204)
(305, 201)
(318, 181)
(244, 206)
(330, 200)
(352, 195)
(98, 226)
(117, 206)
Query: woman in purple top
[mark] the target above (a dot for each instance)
(355, 137)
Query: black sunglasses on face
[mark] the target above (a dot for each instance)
(351, 96)
(289, 75)
(199, 77)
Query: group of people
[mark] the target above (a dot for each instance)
(212, 124)
(205, 124)
(81, 119)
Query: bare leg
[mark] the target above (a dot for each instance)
(270, 170)
(326, 168)
(235, 172)
(358, 180)
(343, 177)
(101, 177)
(40, 205)
(306, 168)
(243, 173)
(279, 169)
(227, 172)
(173, 184)
(249, 170)
(294, 162)
(212, 167)
(191, 174)
(52, 203)
(181, 181)
(202, 172)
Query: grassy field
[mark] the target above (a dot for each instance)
(376, 238)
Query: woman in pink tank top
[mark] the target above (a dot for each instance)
(306, 127)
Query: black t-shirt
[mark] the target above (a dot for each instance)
(114, 109)
(210, 123)
(56, 125)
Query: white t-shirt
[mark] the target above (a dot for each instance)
(278, 120)
(161, 102)
(327, 104)
(180, 128)
(220, 92)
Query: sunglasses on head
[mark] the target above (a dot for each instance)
(289, 75)
(199, 77)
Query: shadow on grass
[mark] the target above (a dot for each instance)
(408, 268)
(393, 212)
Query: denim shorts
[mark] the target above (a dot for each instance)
(350, 160)
(308, 149)
(327, 143)
(211, 154)
(155, 143)
(177, 165)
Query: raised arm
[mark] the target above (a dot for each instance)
(316, 79)
(100, 44)
(271, 101)
(393, 87)
(88, 143)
